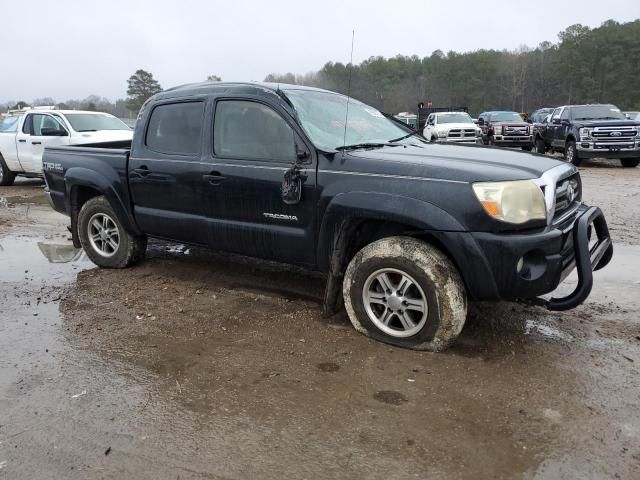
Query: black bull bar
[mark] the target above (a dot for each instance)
(587, 260)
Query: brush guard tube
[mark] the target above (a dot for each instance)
(587, 260)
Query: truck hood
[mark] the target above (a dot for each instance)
(80, 138)
(465, 163)
(606, 123)
(449, 126)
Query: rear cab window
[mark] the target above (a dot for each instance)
(176, 128)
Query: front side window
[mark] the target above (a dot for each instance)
(9, 123)
(565, 114)
(176, 128)
(251, 131)
(44, 121)
(322, 115)
(94, 122)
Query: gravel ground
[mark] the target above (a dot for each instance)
(203, 365)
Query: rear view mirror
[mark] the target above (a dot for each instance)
(53, 132)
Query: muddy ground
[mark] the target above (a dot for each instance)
(204, 365)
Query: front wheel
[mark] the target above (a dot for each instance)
(6, 176)
(527, 148)
(406, 293)
(104, 239)
(541, 147)
(630, 162)
(571, 153)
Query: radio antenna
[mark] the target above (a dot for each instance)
(346, 116)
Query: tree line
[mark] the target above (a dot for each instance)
(599, 65)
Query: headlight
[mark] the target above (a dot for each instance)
(585, 132)
(497, 129)
(513, 202)
(442, 133)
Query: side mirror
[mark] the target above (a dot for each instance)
(555, 121)
(301, 153)
(291, 189)
(53, 132)
(481, 121)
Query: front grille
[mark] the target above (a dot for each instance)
(515, 130)
(568, 195)
(616, 137)
(462, 133)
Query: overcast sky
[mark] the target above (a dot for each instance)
(73, 48)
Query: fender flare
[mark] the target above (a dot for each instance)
(347, 209)
(112, 189)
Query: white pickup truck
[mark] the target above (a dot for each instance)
(458, 127)
(25, 134)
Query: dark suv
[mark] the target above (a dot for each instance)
(505, 129)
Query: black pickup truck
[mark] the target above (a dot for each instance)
(588, 131)
(405, 231)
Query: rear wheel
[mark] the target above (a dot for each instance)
(6, 176)
(630, 162)
(571, 153)
(406, 293)
(104, 239)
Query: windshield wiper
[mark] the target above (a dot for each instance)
(356, 146)
(88, 130)
(403, 137)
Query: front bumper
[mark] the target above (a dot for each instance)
(515, 141)
(469, 140)
(591, 149)
(523, 267)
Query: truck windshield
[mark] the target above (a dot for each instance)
(597, 112)
(506, 117)
(93, 122)
(9, 124)
(454, 118)
(322, 115)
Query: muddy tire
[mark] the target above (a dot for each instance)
(104, 239)
(528, 148)
(406, 293)
(630, 162)
(541, 147)
(6, 176)
(571, 153)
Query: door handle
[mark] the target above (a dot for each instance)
(214, 178)
(22, 140)
(36, 143)
(143, 171)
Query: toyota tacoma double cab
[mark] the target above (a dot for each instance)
(406, 232)
(588, 131)
(505, 129)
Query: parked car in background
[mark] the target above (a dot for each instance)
(452, 127)
(539, 115)
(403, 230)
(587, 131)
(24, 135)
(505, 129)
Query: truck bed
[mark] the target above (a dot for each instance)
(108, 159)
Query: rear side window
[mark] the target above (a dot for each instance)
(9, 124)
(176, 128)
(251, 131)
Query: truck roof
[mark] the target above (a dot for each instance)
(231, 87)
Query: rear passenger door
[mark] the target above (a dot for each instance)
(166, 173)
(254, 146)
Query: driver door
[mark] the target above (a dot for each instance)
(31, 141)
